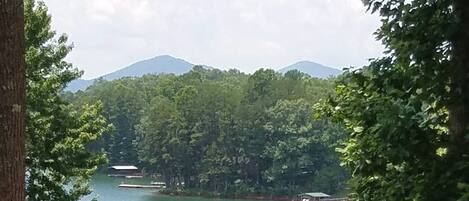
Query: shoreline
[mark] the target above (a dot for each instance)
(218, 195)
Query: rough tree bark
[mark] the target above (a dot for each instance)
(12, 101)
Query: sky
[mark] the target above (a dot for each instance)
(243, 34)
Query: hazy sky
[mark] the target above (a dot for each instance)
(243, 34)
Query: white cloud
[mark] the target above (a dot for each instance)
(246, 34)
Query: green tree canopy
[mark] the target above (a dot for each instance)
(224, 132)
(407, 112)
(58, 163)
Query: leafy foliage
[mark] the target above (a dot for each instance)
(58, 163)
(406, 112)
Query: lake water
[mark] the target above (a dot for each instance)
(105, 189)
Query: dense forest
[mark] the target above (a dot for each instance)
(398, 125)
(223, 132)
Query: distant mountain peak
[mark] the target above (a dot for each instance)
(306, 62)
(164, 57)
(313, 69)
(155, 65)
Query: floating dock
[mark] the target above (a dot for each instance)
(139, 186)
(133, 177)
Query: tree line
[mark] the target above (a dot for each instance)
(223, 132)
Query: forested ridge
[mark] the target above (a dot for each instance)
(223, 132)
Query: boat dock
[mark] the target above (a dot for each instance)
(139, 186)
(134, 177)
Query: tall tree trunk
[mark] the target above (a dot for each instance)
(459, 106)
(12, 101)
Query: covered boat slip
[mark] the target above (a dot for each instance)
(318, 196)
(140, 186)
(128, 171)
(132, 172)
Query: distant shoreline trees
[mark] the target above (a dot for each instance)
(223, 131)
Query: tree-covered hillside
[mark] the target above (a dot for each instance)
(222, 131)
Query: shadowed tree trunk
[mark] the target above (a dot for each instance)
(12, 101)
(459, 107)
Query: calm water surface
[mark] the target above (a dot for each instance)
(105, 189)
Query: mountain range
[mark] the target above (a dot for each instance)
(169, 64)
